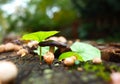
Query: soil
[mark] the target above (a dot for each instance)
(31, 71)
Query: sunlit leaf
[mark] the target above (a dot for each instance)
(39, 36)
(87, 51)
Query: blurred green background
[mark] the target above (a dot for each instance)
(83, 19)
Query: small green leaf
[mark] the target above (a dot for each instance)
(39, 36)
(87, 51)
(69, 54)
(43, 51)
(38, 50)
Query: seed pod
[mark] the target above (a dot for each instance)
(48, 57)
(2, 48)
(69, 61)
(9, 47)
(97, 60)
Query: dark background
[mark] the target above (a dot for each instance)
(83, 19)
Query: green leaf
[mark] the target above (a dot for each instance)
(39, 36)
(69, 54)
(37, 50)
(44, 50)
(87, 51)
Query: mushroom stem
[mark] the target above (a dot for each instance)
(52, 48)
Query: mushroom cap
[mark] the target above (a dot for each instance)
(8, 71)
(97, 60)
(62, 39)
(115, 78)
(53, 38)
(69, 61)
(53, 43)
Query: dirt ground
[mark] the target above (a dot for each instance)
(32, 72)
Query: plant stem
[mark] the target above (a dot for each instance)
(40, 54)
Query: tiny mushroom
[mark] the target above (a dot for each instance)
(8, 72)
(97, 60)
(115, 78)
(69, 61)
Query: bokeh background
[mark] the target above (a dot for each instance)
(83, 19)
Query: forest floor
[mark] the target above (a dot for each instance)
(32, 72)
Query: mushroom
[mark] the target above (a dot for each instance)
(8, 72)
(69, 61)
(115, 78)
(52, 45)
(97, 60)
